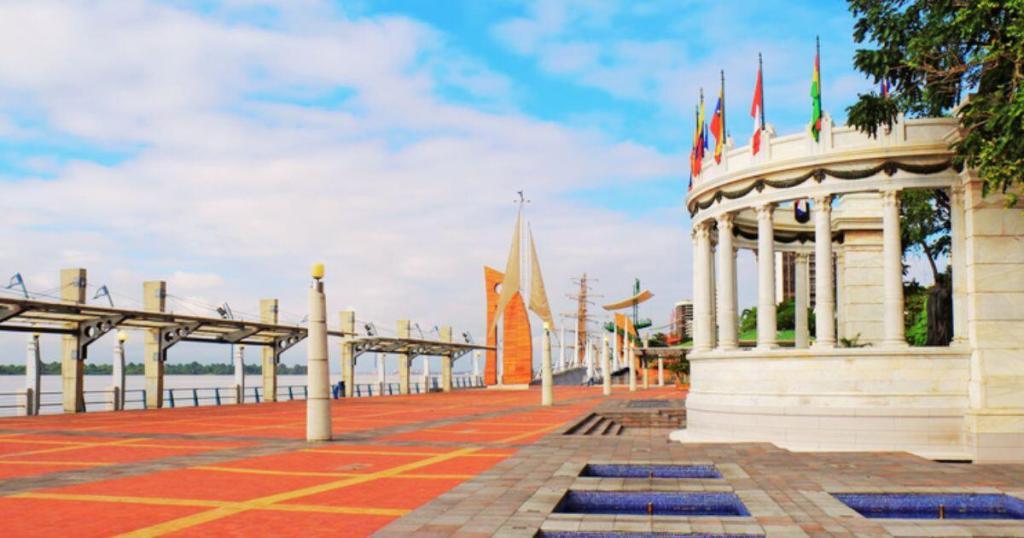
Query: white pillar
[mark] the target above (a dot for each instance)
(703, 320)
(824, 307)
(726, 284)
(615, 346)
(766, 322)
(892, 269)
(118, 380)
(661, 372)
(33, 376)
(632, 364)
(476, 365)
(426, 374)
(318, 403)
(606, 368)
(958, 262)
(239, 363)
(561, 348)
(574, 360)
(547, 392)
(802, 300)
(645, 368)
(589, 359)
(841, 300)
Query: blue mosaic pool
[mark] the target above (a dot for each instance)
(651, 503)
(585, 534)
(614, 470)
(934, 505)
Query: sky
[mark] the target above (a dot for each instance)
(225, 146)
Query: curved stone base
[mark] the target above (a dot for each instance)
(910, 399)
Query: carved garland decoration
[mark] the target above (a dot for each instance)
(819, 175)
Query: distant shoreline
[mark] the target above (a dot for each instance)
(134, 368)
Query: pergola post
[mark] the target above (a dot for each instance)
(33, 376)
(118, 375)
(446, 360)
(268, 366)
(403, 359)
(154, 299)
(348, 361)
(72, 367)
(238, 360)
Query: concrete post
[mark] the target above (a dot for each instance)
(561, 349)
(268, 366)
(892, 269)
(381, 372)
(727, 279)
(631, 363)
(426, 373)
(766, 322)
(646, 368)
(238, 360)
(118, 381)
(33, 376)
(606, 368)
(348, 361)
(446, 360)
(154, 299)
(547, 391)
(403, 359)
(589, 355)
(476, 365)
(575, 359)
(824, 307)
(661, 372)
(802, 300)
(72, 367)
(318, 403)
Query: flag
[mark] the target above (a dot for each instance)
(816, 95)
(757, 110)
(801, 211)
(718, 123)
(885, 87)
(694, 167)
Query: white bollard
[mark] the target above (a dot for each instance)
(117, 389)
(547, 396)
(318, 403)
(606, 367)
(661, 372)
(632, 366)
(33, 376)
(239, 363)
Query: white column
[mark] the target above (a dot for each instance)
(118, 372)
(426, 374)
(318, 404)
(726, 284)
(802, 300)
(958, 262)
(766, 322)
(547, 394)
(574, 360)
(239, 364)
(824, 307)
(615, 346)
(841, 300)
(702, 290)
(892, 269)
(661, 372)
(590, 360)
(645, 370)
(561, 348)
(476, 365)
(606, 368)
(632, 364)
(33, 375)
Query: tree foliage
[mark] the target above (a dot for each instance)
(936, 52)
(925, 225)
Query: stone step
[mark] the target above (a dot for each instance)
(582, 425)
(595, 426)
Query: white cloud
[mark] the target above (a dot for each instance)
(230, 197)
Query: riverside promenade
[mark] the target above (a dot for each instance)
(246, 470)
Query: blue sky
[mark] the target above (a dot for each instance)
(225, 145)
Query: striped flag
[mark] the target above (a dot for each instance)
(718, 122)
(757, 110)
(816, 93)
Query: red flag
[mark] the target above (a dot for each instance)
(757, 110)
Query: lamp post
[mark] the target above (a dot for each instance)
(318, 403)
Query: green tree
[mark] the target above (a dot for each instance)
(933, 53)
(924, 226)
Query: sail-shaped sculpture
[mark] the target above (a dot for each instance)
(510, 283)
(538, 295)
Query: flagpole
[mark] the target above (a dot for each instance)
(817, 65)
(725, 132)
(760, 74)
